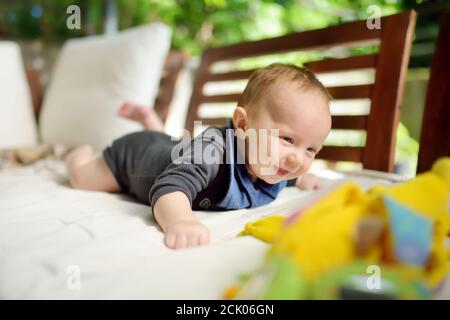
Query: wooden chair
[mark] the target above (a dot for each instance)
(435, 133)
(390, 65)
(174, 63)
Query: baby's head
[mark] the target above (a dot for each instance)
(292, 100)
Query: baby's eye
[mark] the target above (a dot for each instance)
(312, 150)
(287, 139)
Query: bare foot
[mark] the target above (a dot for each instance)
(144, 115)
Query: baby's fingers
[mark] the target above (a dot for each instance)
(181, 241)
(203, 239)
(317, 184)
(170, 240)
(192, 240)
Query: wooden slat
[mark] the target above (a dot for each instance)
(348, 34)
(233, 75)
(349, 122)
(343, 92)
(322, 66)
(344, 64)
(220, 98)
(336, 153)
(351, 92)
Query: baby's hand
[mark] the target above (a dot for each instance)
(308, 182)
(185, 234)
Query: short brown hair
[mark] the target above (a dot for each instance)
(264, 78)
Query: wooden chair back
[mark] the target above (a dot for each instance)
(390, 64)
(435, 132)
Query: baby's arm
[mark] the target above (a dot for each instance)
(182, 229)
(174, 191)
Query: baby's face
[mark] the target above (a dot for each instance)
(303, 121)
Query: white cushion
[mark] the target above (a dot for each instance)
(94, 76)
(17, 122)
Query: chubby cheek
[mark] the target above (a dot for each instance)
(262, 151)
(270, 151)
(303, 167)
(279, 155)
(269, 154)
(299, 173)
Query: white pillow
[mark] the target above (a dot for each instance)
(94, 76)
(17, 122)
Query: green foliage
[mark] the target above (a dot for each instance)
(407, 149)
(44, 19)
(196, 23)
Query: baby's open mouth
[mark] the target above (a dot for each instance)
(282, 172)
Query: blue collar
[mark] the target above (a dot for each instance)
(242, 192)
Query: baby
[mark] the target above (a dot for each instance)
(278, 127)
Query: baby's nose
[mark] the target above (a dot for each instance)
(293, 161)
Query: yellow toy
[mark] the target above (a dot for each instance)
(403, 225)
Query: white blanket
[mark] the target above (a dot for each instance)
(60, 243)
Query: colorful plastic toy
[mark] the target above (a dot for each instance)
(400, 228)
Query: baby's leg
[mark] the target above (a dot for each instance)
(90, 172)
(146, 116)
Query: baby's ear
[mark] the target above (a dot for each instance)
(240, 118)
